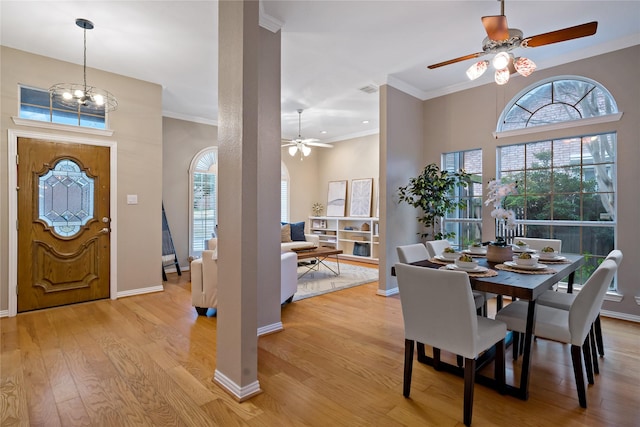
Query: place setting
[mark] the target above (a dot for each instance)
(526, 263)
(477, 250)
(465, 263)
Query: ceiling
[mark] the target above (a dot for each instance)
(330, 49)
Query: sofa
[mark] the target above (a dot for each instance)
(292, 236)
(204, 278)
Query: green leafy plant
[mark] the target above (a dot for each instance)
(433, 192)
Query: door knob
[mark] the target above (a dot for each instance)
(104, 231)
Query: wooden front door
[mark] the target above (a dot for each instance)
(63, 223)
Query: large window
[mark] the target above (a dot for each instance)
(203, 219)
(467, 222)
(203, 214)
(566, 186)
(37, 104)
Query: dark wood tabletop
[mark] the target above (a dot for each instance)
(519, 285)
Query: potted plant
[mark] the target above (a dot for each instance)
(432, 192)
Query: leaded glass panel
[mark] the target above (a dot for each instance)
(65, 199)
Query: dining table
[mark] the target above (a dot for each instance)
(523, 284)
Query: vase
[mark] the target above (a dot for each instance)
(499, 254)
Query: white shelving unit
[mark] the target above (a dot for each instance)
(347, 233)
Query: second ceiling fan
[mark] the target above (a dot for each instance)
(303, 145)
(501, 40)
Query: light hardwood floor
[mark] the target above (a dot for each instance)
(149, 360)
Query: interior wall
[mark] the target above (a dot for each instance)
(401, 151)
(479, 109)
(305, 185)
(350, 159)
(181, 141)
(137, 126)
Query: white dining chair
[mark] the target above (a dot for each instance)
(433, 248)
(438, 310)
(564, 301)
(538, 244)
(412, 253)
(436, 247)
(567, 326)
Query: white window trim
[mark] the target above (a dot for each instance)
(57, 126)
(558, 126)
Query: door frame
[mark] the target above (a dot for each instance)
(13, 135)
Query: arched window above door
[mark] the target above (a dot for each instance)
(203, 199)
(557, 100)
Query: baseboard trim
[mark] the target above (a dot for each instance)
(387, 292)
(239, 393)
(621, 316)
(140, 291)
(4, 313)
(269, 329)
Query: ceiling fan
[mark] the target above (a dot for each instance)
(303, 145)
(501, 40)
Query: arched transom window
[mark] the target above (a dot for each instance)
(555, 101)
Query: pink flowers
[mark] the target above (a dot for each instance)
(497, 192)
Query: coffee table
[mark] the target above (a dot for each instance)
(319, 255)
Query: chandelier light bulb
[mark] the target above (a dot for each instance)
(78, 93)
(292, 150)
(502, 76)
(477, 69)
(501, 61)
(99, 99)
(67, 96)
(306, 150)
(524, 66)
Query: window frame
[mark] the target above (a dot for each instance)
(193, 251)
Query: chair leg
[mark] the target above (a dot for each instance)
(469, 380)
(594, 353)
(576, 358)
(599, 341)
(499, 367)
(436, 359)
(408, 367)
(515, 345)
(586, 348)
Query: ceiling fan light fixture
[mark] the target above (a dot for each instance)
(502, 76)
(477, 69)
(524, 66)
(293, 150)
(306, 150)
(501, 60)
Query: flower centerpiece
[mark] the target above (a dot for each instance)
(499, 251)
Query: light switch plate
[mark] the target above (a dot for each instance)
(132, 199)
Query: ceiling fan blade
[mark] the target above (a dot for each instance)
(496, 27)
(308, 140)
(319, 144)
(460, 59)
(565, 34)
(288, 145)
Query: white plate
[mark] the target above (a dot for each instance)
(542, 257)
(478, 269)
(525, 267)
(475, 252)
(441, 258)
(519, 251)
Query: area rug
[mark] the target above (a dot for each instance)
(324, 281)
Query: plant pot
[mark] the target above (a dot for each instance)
(499, 254)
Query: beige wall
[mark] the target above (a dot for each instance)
(479, 109)
(181, 141)
(306, 188)
(137, 126)
(401, 151)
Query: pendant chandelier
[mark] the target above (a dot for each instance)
(82, 95)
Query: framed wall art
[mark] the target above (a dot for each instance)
(336, 198)
(361, 197)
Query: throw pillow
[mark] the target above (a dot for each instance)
(297, 232)
(285, 233)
